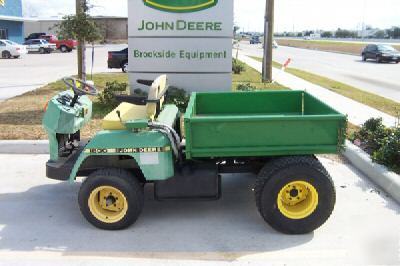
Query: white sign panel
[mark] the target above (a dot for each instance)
(216, 21)
(180, 55)
(190, 40)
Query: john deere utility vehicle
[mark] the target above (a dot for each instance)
(274, 134)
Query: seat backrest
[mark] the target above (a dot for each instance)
(156, 88)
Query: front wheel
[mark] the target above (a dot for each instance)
(364, 57)
(111, 199)
(125, 67)
(64, 49)
(295, 195)
(42, 50)
(6, 54)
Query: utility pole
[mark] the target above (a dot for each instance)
(80, 4)
(268, 39)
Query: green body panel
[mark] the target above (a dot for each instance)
(150, 149)
(137, 124)
(62, 119)
(168, 115)
(265, 123)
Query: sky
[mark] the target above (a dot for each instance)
(297, 15)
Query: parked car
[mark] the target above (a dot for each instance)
(118, 59)
(35, 35)
(40, 45)
(380, 53)
(255, 40)
(9, 49)
(62, 45)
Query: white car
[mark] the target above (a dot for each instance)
(40, 46)
(9, 49)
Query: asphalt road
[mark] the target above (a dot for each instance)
(40, 224)
(381, 79)
(32, 71)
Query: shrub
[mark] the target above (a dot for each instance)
(389, 153)
(245, 87)
(237, 66)
(372, 135)
(107, 97)
(179, 97)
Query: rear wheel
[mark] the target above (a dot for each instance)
(125, 67)
(379, 59)
(295, 195)
(6, 54)
(111, 199)
(42, 50)
(64, 49)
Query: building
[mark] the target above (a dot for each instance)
(113, 28)
(11, 20)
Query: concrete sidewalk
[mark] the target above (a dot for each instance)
(40, 224)
(357, 113)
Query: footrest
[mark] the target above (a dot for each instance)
(195, 182)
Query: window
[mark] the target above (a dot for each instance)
(3, 33)
(2, 43)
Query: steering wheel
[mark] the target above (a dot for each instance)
(80, 87)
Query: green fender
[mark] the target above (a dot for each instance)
(151, 150)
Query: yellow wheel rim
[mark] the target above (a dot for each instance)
(297, 200)
(108, 204)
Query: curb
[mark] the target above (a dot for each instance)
(24, 146)
(378, 174)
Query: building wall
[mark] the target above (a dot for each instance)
(15, 30)
(112, 28)
(11, 8)
(40, 26)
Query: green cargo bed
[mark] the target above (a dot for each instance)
(262, 123)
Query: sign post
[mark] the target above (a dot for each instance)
(189, 40)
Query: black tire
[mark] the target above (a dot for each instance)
(378, 59)
(124, 66)
(6, 55)
(16, 57)
(42, 50)
(64, 49)
(122, 180)
(364, 57)
(278, 173)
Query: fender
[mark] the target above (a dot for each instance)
(151, 150)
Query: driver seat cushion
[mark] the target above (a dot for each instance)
(132, 111)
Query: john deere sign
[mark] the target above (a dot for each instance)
(180, 6)
(190, 40)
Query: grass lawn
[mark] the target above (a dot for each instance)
(375, 101)
(322, 45)
(21, 116)
(253, 78)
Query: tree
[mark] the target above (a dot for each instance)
(380, 34)
(326, 34)
(83, 28)
(345, 34)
